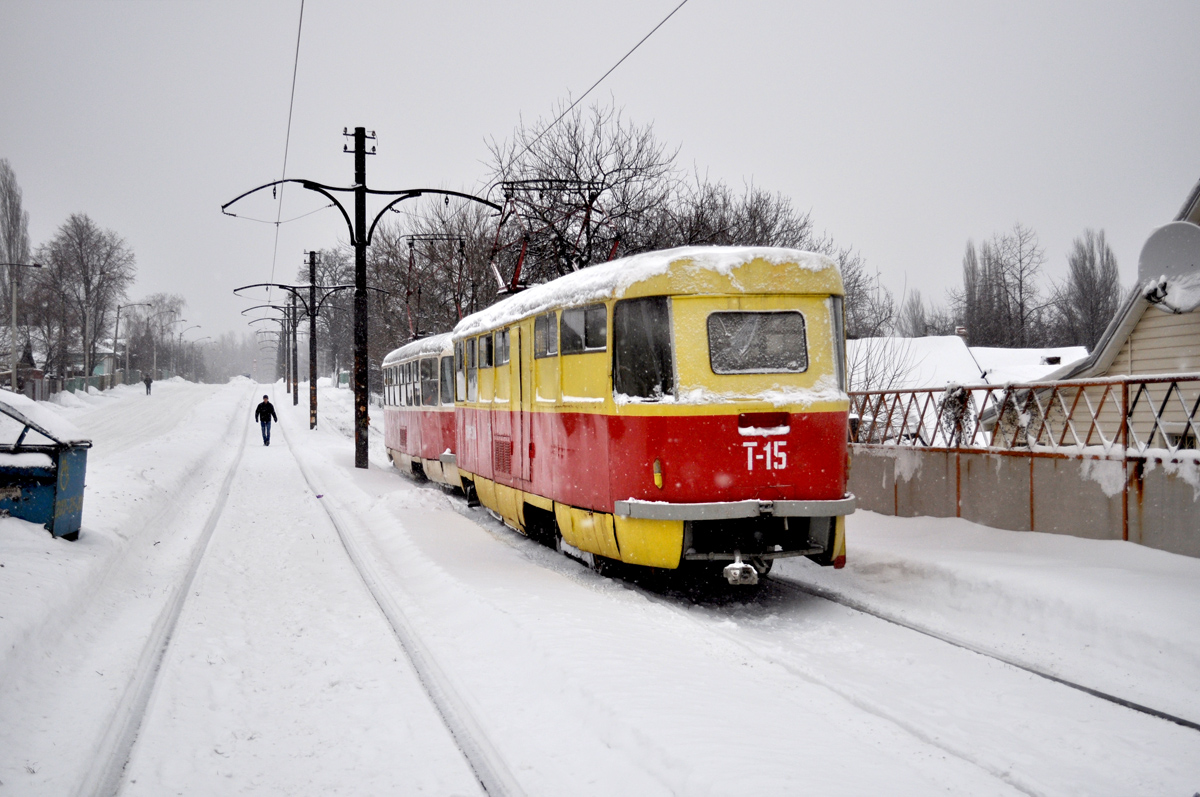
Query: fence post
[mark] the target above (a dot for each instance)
(1124, 435)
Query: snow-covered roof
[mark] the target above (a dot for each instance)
(423, 347)
(613, 279)
(940, 360)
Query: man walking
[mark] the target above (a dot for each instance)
(264, 415)
(147, 379)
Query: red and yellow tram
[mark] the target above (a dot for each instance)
(672, 406)
(418, 396)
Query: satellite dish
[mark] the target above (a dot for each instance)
(1171, 251)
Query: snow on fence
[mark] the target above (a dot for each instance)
(1109, 458)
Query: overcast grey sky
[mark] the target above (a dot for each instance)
(906, 128)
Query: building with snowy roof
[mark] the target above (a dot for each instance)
(1103, 447)
(1157, 328)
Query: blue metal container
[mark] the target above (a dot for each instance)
(43, 482)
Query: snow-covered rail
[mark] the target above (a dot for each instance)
(103, 777)
(481, 755)
(859, 606)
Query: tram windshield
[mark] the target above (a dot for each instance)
(757, 342)
(643, 363)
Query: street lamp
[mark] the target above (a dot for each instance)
(179, 346)
(13, 328)
(154, 339)
(117, 333)
(194, 342)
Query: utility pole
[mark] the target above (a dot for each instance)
(287, 350)
(360, 237)
(361, 418)
(117, 334)
(312, 340)
(295, 364)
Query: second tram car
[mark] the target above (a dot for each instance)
(418, 395)
(686, 405)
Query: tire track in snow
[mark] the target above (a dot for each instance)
(104, 775)
(481, 755)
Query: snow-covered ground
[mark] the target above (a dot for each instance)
(237, 618)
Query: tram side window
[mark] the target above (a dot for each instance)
(643, 364)
(502, 347)
(429, 385)
(545, 336)
(585, 329)
(460, 372)
(447, 381)
(485, 351)
(472, 372)
(757, 343)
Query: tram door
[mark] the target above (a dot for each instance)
(522, 391)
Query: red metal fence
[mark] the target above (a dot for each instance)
(1126, 417)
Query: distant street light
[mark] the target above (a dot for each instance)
(117, 334)
(154, 339)
(179, 347)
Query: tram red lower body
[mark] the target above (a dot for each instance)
(591, 460)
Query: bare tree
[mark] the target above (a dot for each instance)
(1000, 302)
(579, 189)
(1088, 301)
(150, 328)
(86, 269)
(14, 238)
(912, 322)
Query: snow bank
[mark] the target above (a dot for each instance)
(59, 427)
(610, 280)
(1112, 615)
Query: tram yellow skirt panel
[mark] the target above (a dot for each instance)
(587, 531)
(654, 543)
(486, 490)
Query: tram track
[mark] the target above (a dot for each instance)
(103, 777)
(862, 608)
(472, 741)
(795, 586)
(671, 600)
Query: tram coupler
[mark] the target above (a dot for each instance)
(739, 573)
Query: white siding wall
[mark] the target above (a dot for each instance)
(1161, 343)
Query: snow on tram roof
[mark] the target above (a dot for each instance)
(434, 344)
(611, 280)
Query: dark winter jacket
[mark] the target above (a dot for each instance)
(265, 412)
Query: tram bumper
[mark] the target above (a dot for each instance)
(758, 530)
(733, 510)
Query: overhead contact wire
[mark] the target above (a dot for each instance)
(287, 141)
(597, 83)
